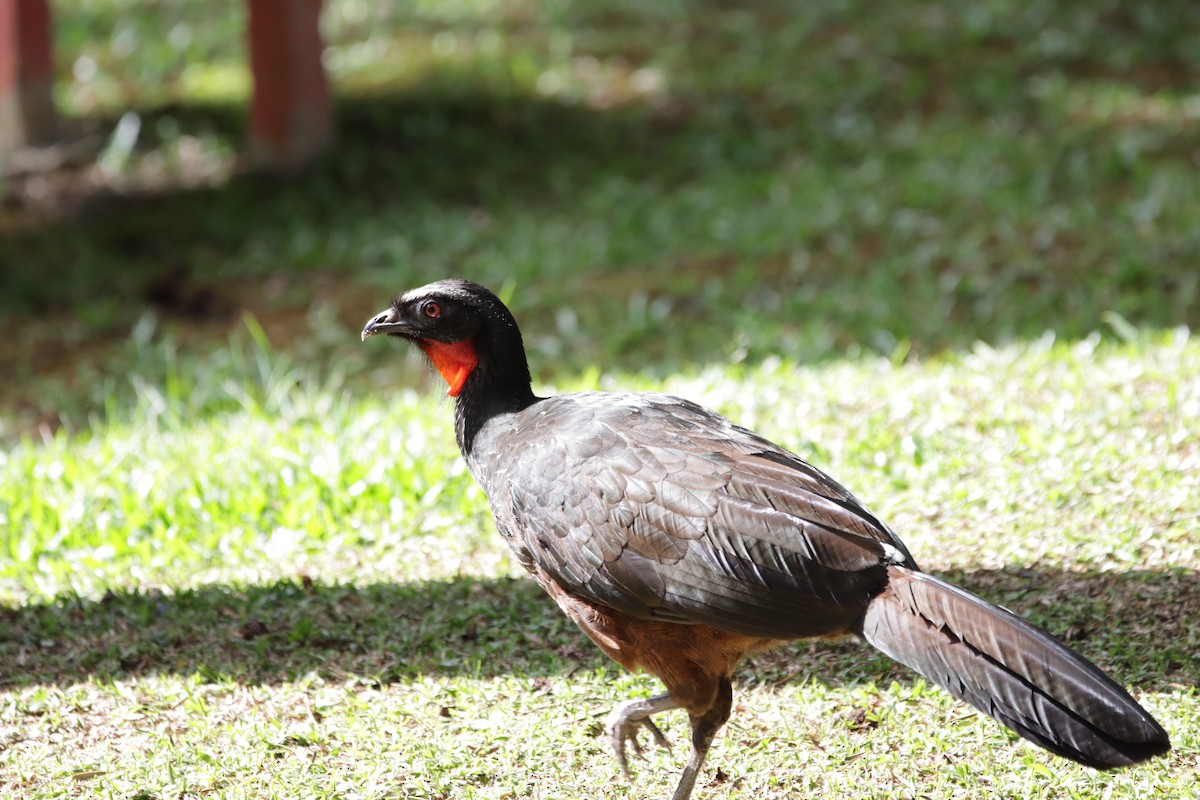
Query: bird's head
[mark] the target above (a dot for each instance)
(461, 327)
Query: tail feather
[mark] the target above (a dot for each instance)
(1011, 670)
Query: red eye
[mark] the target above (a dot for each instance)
(432, 310)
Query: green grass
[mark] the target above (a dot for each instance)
(948, 254)
(276, 586)
(826, 180)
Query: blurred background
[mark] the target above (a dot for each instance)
(652, 184)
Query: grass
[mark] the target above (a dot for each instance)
(260, 589)
(865, 179)
(948, 254)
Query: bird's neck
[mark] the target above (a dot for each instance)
(499, 384)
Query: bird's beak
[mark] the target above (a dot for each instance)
(384, 322)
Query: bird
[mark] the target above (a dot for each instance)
(680, 542)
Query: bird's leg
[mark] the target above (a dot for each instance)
(627, 717)
(704, 729)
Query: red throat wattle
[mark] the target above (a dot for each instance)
(454, 361)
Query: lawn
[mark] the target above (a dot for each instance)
(952, 255)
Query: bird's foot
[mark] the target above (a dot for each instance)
(625, 720)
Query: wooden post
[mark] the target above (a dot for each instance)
(291, 120)
(27, 115)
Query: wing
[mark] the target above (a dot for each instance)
(662, 509)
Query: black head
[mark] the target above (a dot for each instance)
(449, 312)
(472, 339)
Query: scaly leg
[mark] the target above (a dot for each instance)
(627, 717)
(704, 730)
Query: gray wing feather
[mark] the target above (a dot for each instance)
(664, 510)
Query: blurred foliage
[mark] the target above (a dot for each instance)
(714, 182)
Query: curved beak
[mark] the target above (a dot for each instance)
(385, 322)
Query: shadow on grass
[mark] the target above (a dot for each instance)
(1137, 625)
(395, 153)
(945, 183)
(418, 180)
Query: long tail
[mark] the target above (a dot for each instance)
(1014, 672)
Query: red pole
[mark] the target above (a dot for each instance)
(27, 115)
(291, 120)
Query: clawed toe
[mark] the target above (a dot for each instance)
(625, 721)
(626, 733)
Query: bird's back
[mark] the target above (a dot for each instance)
(662, 509)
